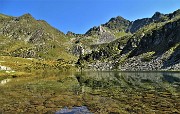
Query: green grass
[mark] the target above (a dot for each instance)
(25, 35)
(121, 34)
(146, 57)
(30, 65)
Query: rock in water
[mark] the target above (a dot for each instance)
(74, 110)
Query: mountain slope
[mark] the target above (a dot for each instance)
(115, 28)
(152, 47)
(144, 44)
(29, 38)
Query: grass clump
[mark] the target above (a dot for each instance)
(146, 57)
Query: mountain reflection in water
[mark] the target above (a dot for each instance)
(98, 92)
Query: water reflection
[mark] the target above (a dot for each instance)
(74, 110)
(100, 92)
(135, 80)
(132, 92)
(170, 78)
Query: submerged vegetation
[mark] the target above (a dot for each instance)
(133, 92)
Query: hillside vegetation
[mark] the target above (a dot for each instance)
(154, 46)
(29, 38)
(144, 44)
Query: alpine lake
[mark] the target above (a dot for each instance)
(99, 92)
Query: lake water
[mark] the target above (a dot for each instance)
(93, 92)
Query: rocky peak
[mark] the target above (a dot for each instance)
(117, 19)
(72, 35)
(139, 23)
(157, 16)
(26, 16)
(117, 23)
(69, 33)
(95, 30)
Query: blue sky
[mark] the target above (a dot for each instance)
(80, 15)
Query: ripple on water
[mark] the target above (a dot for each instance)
(74, 110)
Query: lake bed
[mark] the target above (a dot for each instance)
(101, 92)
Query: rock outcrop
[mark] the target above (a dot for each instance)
(153, 47)
(144, 44)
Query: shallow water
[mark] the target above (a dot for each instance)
(74, 110)
(99, 92)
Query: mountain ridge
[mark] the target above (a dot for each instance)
(34, 37)
(113, 45)
(155, 17)
(152, 47)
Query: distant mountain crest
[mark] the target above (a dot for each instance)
(118, 23)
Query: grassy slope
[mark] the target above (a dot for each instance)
(20, 35)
